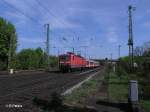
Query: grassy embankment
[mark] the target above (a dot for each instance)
(145, 105)
(118, 89)
(87, 89)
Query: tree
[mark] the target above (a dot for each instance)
(53, 61)
(29, 58)
(147, 49)
(8, 43)
(139, 51)
(34, 59)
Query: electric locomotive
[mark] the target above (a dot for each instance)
(71, 61)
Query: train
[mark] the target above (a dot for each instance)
(71, 61)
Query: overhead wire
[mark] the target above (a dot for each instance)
(33, 19)
(52, 14)
(24, 14)
(21, 12)
(40, 5)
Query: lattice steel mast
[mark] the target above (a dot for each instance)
(130, 40)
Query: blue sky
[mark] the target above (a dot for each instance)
(101, 25)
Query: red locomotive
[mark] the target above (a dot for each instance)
(70, 61)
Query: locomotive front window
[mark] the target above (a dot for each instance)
(64, 58)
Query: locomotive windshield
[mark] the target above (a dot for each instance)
(64, 58)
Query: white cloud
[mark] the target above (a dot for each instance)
(24, 12)
(19, 19)
(30, 9)
(31, 40)
(69, 14)
(58, 22)
(147, 24)
(60, 17)
(22, 6)
(112, 35)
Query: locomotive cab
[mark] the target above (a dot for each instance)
(64, 62)
(71, 61)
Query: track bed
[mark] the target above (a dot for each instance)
(21, 89)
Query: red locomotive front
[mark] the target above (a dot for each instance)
(71, 61)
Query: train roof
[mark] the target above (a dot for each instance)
(75, 54)
(68, 53)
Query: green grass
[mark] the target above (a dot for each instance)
(118, 87)
(88, 88)
(145, 105)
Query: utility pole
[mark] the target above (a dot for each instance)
(119, 46)
(130, 40)
(47, 45)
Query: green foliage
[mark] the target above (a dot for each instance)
(146, 105)
(118, 89)
(33, 59)
(28, 59)
(3, 65)
(124, 63)
(53, 61)
(8, 42)
(141, 73)
(87, 89)
(120, 71)
(143, 65)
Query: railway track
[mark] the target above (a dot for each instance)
(23, 94)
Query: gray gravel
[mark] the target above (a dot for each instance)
(20, 89)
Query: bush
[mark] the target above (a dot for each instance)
(120, 71)
(3, 65)
(34, 59)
